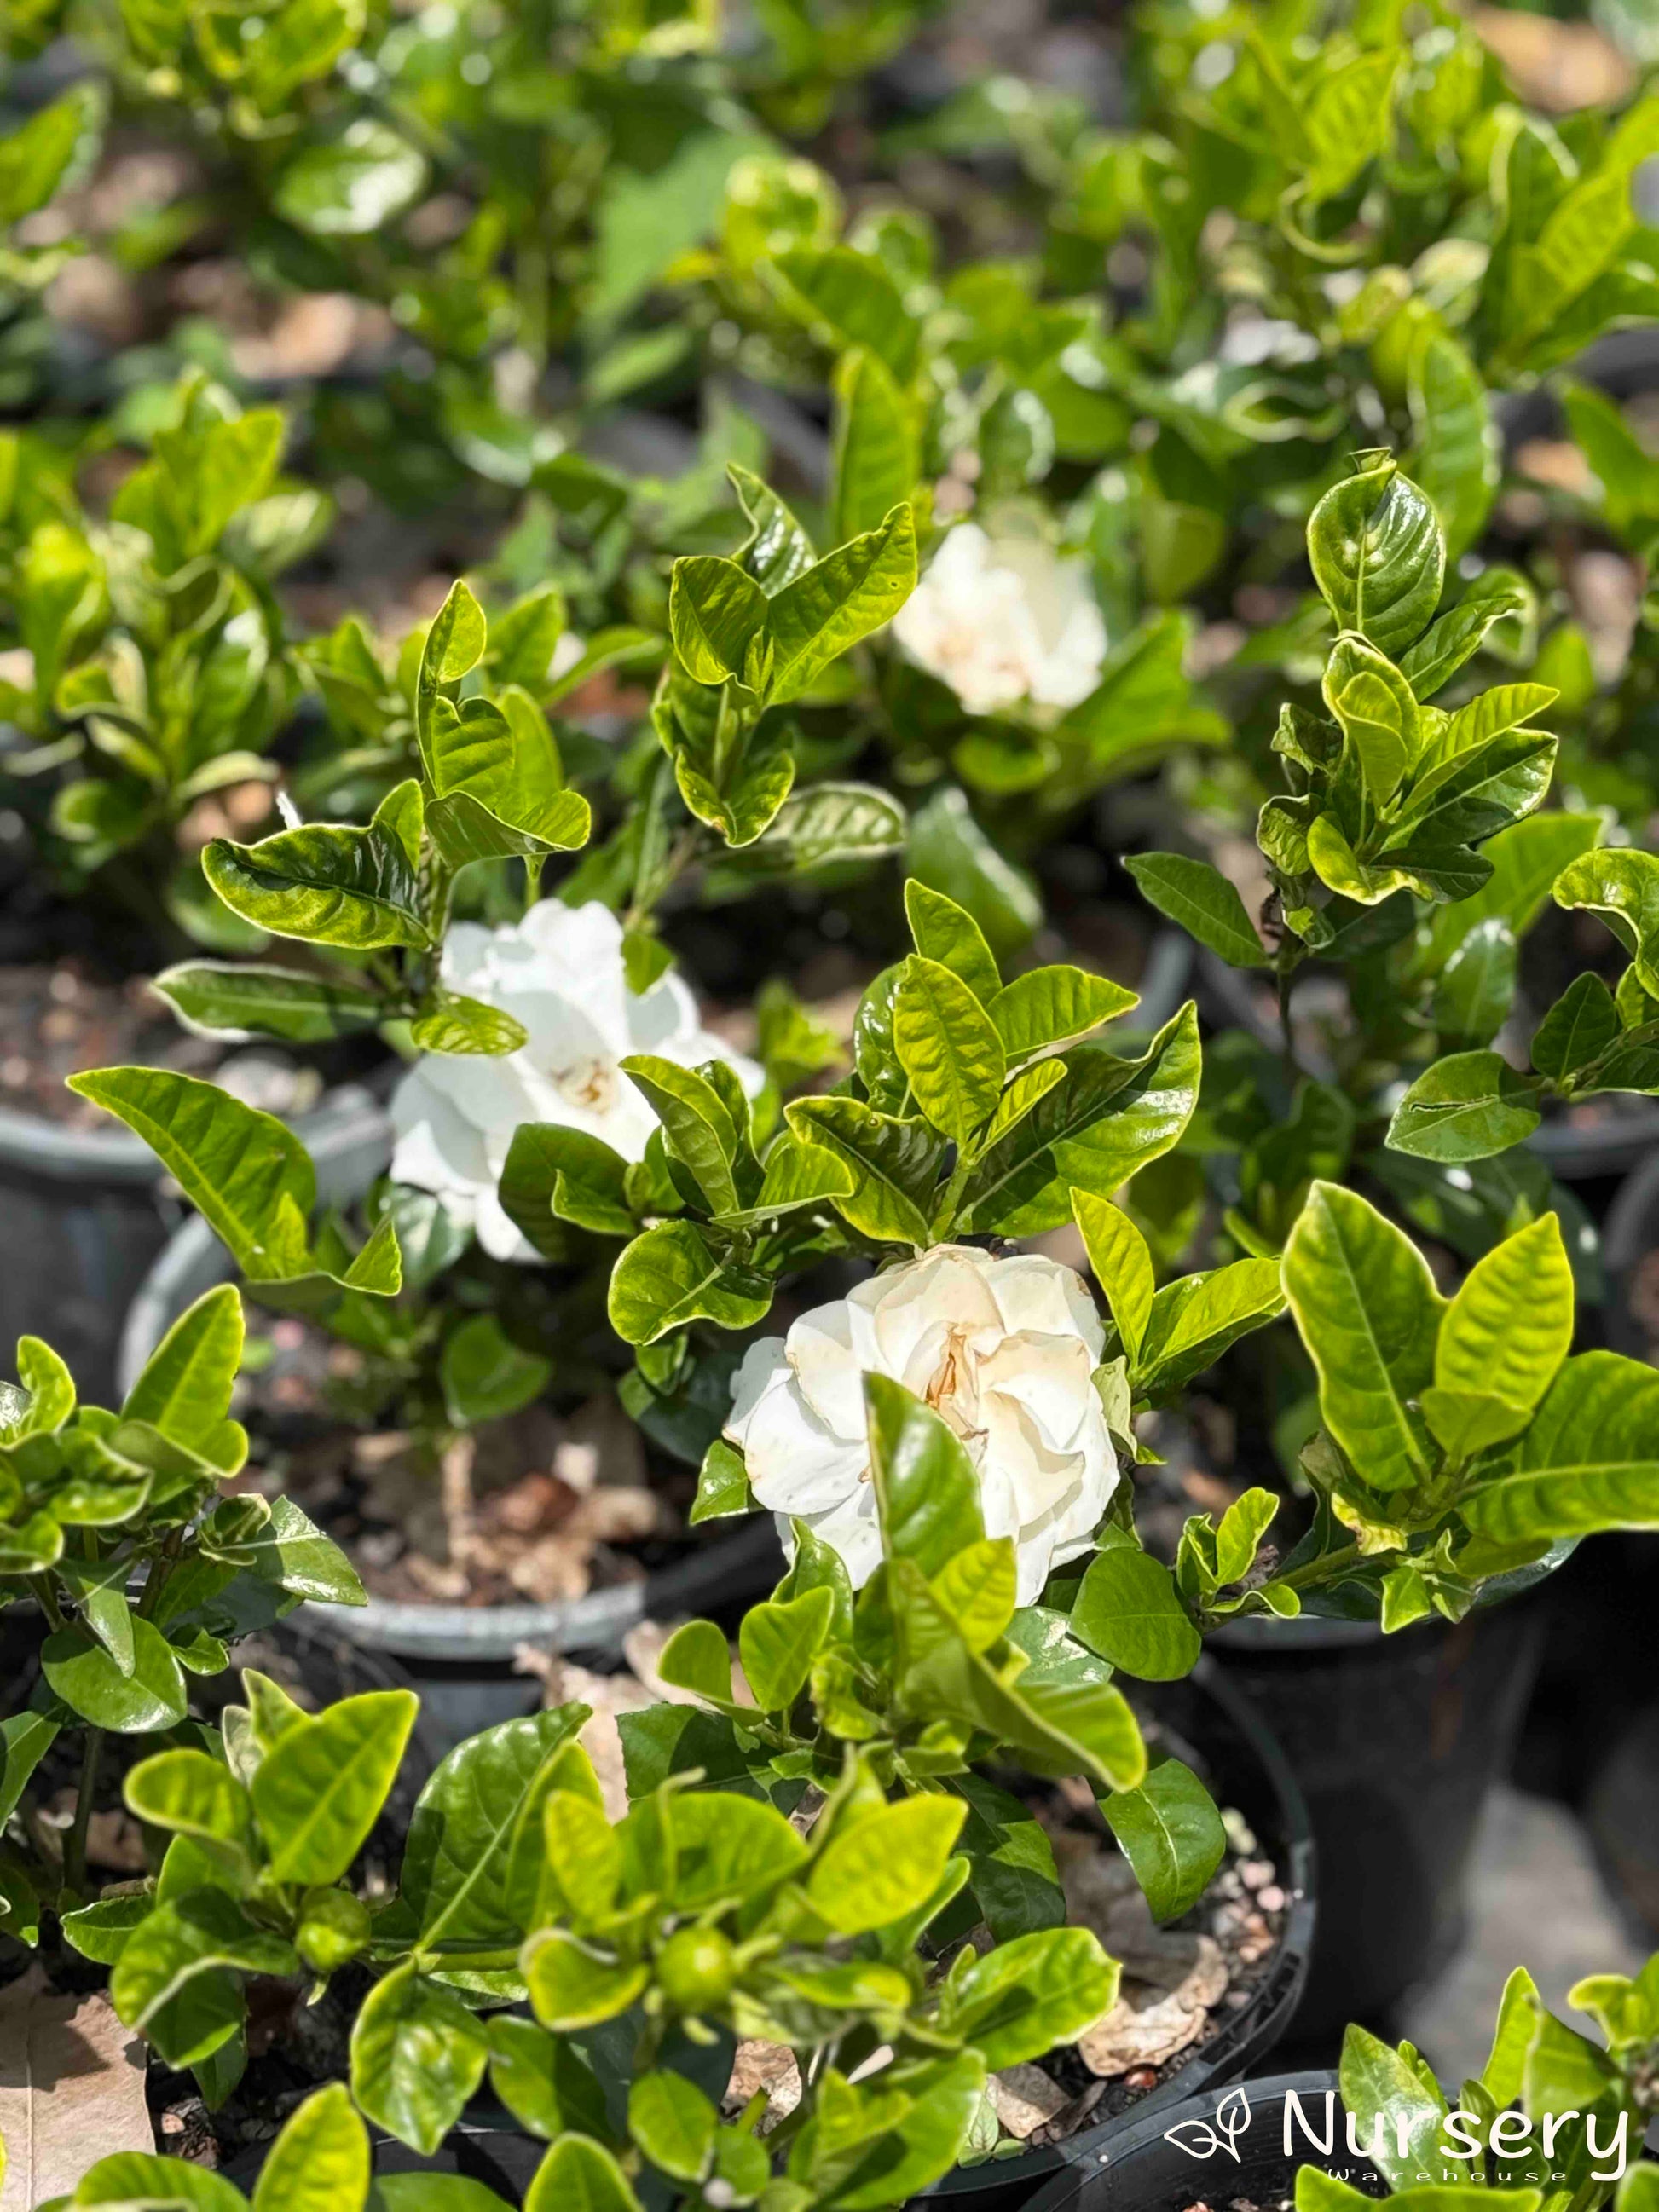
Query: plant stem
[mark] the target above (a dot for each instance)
(1316, 1570)
(75, 1849)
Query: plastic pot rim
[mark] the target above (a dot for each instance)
(1064, 2192)
(193, 1260)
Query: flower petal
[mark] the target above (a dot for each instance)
(1044, 1296)
(795, 1464)
(831, 1349)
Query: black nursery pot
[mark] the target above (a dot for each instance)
(1396, 1742)
(1147, 2169)
(86, 1220)
(495, 2154)
(1246, 1769)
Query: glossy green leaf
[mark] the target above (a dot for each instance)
(1049, 1007)
(948, 1046)
(1476, 988)
(176, 1976)
(469, 1822)
(446, 1023)
(541, 2079)
(327, 883)
(927, 1490)
(696, 1121)
(845, 299)
(1110, 1118)
(579, 2175)
(876, 462)
(498, 785)
(236, 1001)
(1200, 900)
(35, 154)
(135, 1702)
(778, 1642)
(895, 1165)
(575, 1984)
(1122, 1263)
(828, 823)
(673, 2124)
(670, 1276)
(1589, 1460)
(946, 932)
(184, 1389)
(240, 1167)
(1171, 1834)
(1458, 457)
(45, 1376)
(1368, 1313)
(884, 1864)
(318, 1790)
(842, 598)
(1378, 714)
(715, 608)
(1019, 2001)
(192, 1795)
(1466, 1107)
(1622, 886)
(552, 1170)
(797, 1176)
(1378, 555)
(1194, 1319)
(1509, 1327)
(778, 549)
(25, 1740)
(722, 1485)
(417, 2054)
(978, 1588)
(1129, 1610)
(727, 1848)
(320, 2160)
(1015, 1880)
(130, 2178)
(1577, 1028)
(1455, 636)
(352, 185)
(485, 1376)
(292, 1554)
(582, 1856)
(1391, 2103)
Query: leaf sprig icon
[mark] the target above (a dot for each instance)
(1204, 2138)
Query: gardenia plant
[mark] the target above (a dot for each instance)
(113, 1524)
(1555, 2117)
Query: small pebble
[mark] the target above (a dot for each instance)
(1141, 2077)
(1271, 1899)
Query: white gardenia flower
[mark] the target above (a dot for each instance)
(559, 971)
(1005, 1350)
(1003, 620)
